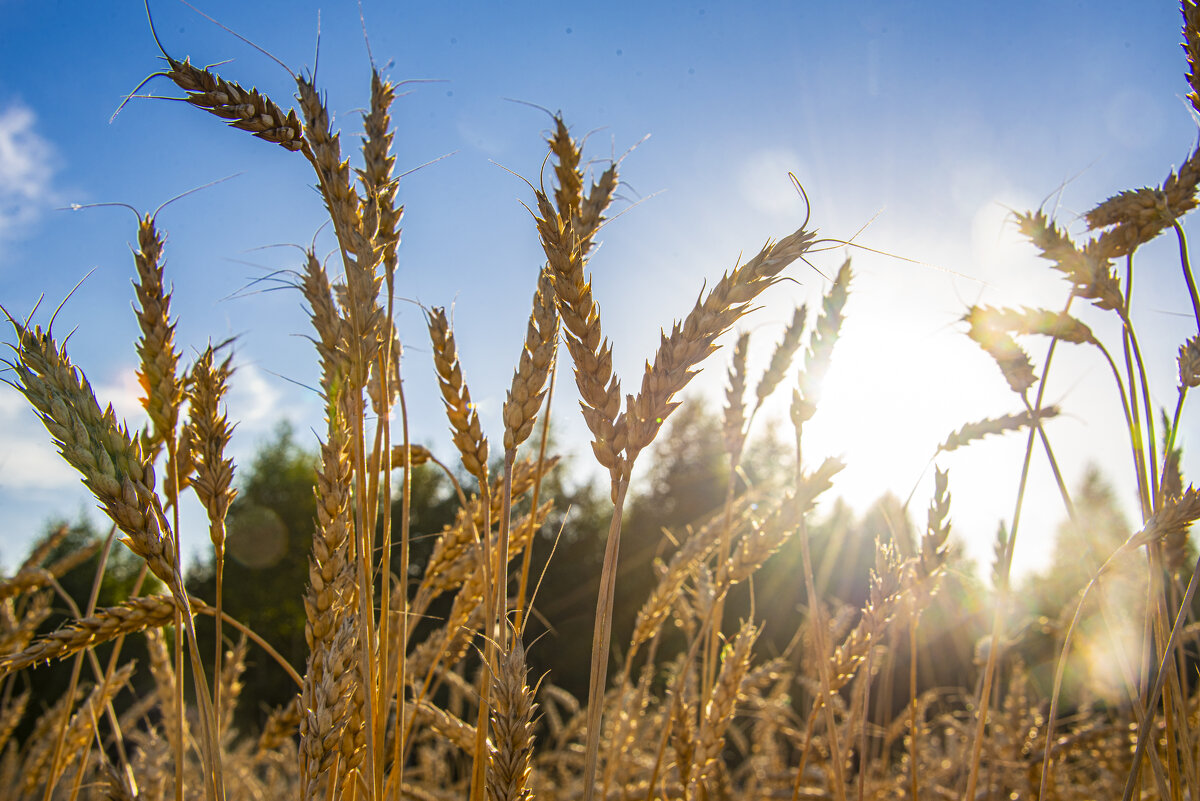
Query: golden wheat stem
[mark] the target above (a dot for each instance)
(502, 547)
(527, 557)
(823, 651)
(998, 613)
(913, 782)
(601, 635)
(489, 566)
(1133, 365)
(179, 633)
(735, 433)
(1186, 265)
(61, 738)
(366, 593)
(402, 654)
(1164, 669)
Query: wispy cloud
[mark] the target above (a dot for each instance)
(27, 458)
(27, 166)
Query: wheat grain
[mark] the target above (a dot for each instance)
(599, 388)
(529, 379)
(91, 441)
(210, 427)
(509, 764)
(381, 217)
(781, 358)
(1088, 269)
(734, 427)
(719, 709)
(1010, 357)
(156, 347)
(247, 110)
(979, 429)
(464, 419)
(690, 342)
(132, 615)
(820, 346)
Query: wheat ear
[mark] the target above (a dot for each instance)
(691, 341)
(512, 726)
(91, 441)
(599, 388)
(132, 615)
(720, 707)
(246, 110)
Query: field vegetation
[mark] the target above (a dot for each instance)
(377, 624)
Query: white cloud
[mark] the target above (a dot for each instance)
(125, 394)
(28, 460)
(27, 165)
(253, 401)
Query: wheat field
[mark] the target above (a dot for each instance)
(416, 682)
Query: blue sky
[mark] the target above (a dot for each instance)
(926, 120)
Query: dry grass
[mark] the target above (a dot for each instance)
(380, 715)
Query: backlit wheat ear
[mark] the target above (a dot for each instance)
(1088, 269)
(323, 147)
(31, 576)
(418, 455)
(360, 254)
(19, 632)
(720, 708)
(1188, 362)
(82, 728)
(330, 596)
(1010, 357)
(1139, 215)
(937, 528)
(327, 709)
(599, 388)
(510, 762)
(883, 600)
(1191, 46)
(567, 155)
(43, 547)
(591, 211)
(247, 110)
(734, 424)
(690, 342)
(972, 432)
(331, 328)
(10, 715)
(1026, 321)
(281, 727)
(230, 683)
(781, 359)
(697, 547)
(35, 766)
(820, 346)
(27, 580)
(464, 419)
(1171, 520)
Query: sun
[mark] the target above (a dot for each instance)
(900, 382)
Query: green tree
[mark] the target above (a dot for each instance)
(1080, 547)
